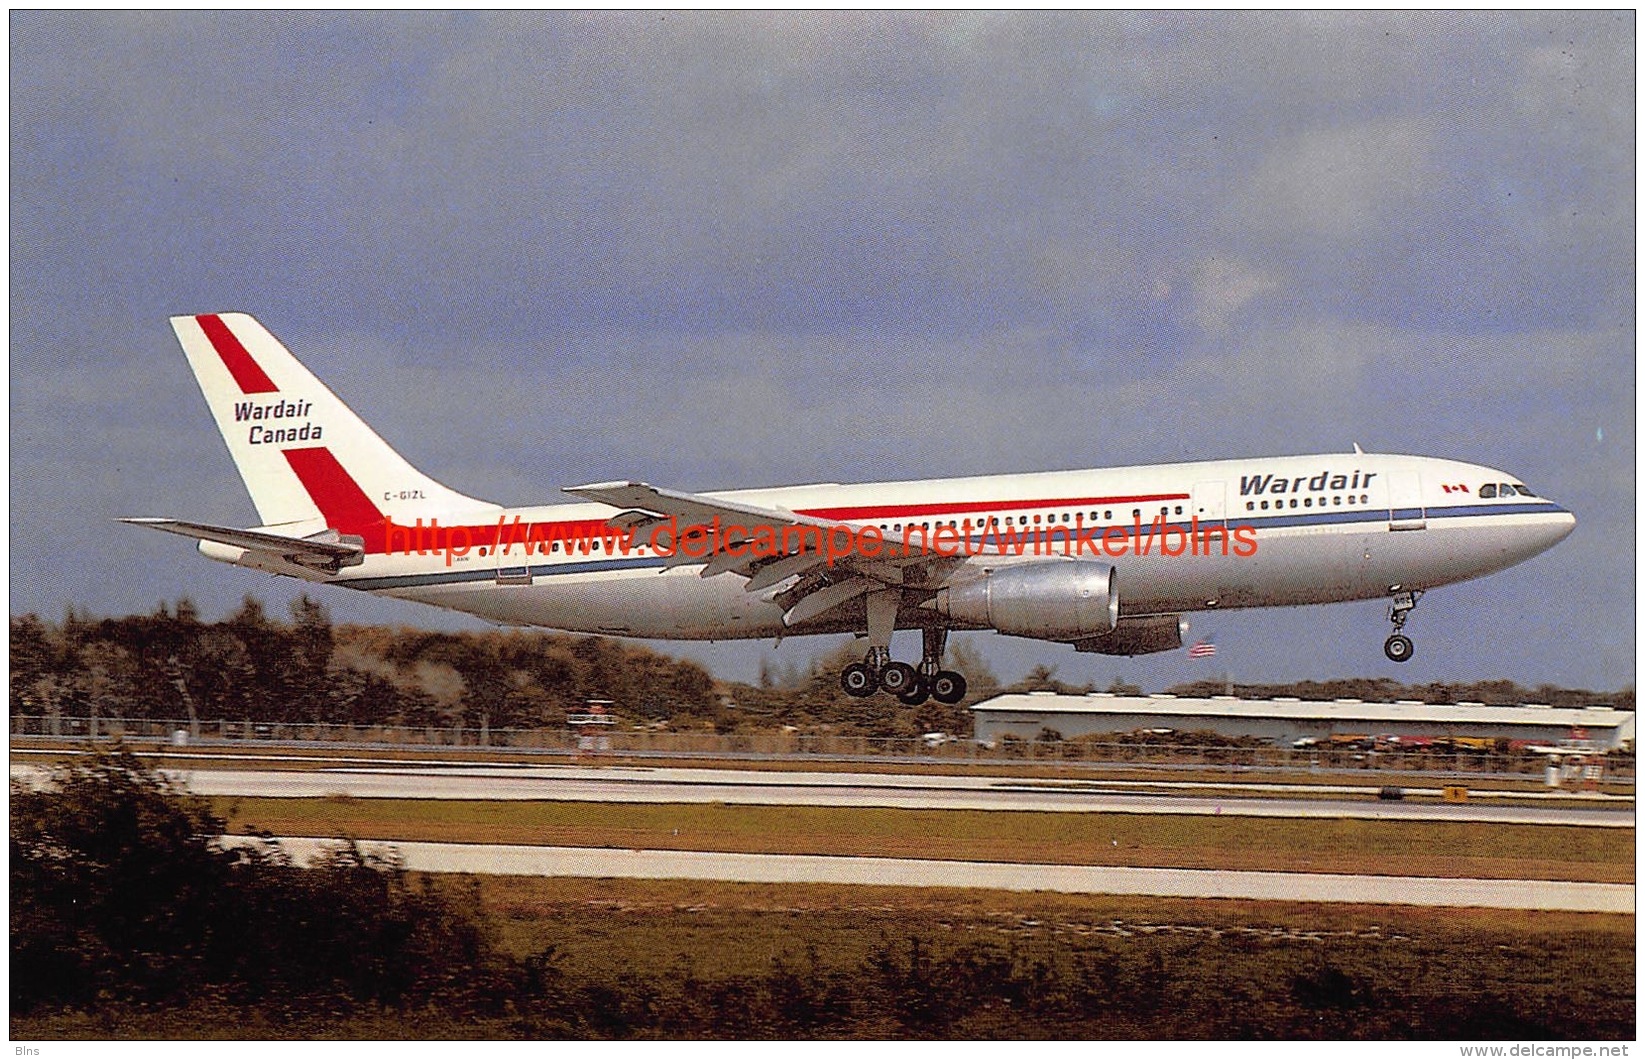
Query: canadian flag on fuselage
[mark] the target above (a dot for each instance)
(308, 461)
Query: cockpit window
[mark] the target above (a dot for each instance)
(1522, 491)
(1487, 491)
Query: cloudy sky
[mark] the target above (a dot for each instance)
(715, 251)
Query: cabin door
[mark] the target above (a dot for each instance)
(1405, 510)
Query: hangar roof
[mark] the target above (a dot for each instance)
(1348, 710)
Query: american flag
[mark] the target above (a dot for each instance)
(1202, 650)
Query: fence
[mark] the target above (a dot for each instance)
(774, 744)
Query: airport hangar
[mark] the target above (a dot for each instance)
(1285, 721)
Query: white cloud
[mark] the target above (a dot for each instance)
(1222, 287)
(1341, 183)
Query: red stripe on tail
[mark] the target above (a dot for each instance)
(341, 501)
(239, 362)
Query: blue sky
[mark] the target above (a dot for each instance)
(722, 250)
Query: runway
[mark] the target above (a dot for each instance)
(1070, 879)
(906, 791)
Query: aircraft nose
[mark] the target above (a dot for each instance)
(1555, 528)
(1564, 523)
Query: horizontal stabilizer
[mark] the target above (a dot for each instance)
(327, 551)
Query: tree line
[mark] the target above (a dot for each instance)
(170, 664)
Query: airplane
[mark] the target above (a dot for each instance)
(1107, 560)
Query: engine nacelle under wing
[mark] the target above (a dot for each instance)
(1056, 600)
(1139, 636)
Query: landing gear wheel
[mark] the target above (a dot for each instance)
(947, 687)
(898, 677)
(917, 694)
(1398, 648)
(858, 680)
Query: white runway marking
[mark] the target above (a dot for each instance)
(1072, 879)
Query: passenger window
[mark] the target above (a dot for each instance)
(1487, 491)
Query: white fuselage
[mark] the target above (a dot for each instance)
(1299, 530)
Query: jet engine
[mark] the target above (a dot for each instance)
(1139, 636)
(1057, 600)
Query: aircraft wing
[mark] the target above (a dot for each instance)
(765, 563)
(326, 550)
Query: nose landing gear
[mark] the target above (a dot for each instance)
(1398, 646)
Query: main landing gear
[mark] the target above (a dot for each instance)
(1398, 646)
(878, 672)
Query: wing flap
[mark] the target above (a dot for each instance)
(826, 599)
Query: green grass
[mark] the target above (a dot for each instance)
(1320, 845)
(1430, 961)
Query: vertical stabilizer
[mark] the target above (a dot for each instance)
(306, 458)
